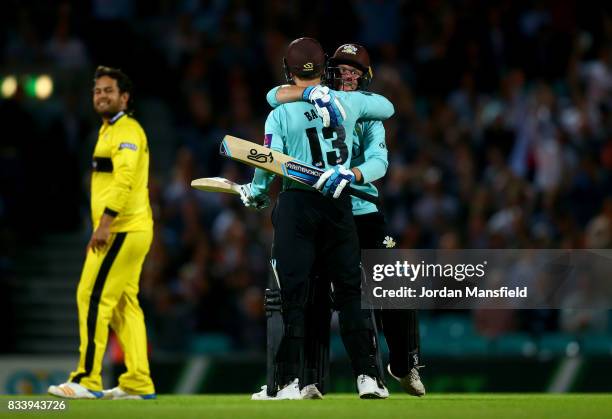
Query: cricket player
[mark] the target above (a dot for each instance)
(309, 225)
(123, 230)
(349, 70)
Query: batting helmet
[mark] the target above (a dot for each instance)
(354, 55)
(305, 58)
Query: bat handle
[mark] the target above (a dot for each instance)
(365, 196)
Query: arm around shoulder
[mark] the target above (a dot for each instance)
(374, 106)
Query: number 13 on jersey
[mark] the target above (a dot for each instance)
(337, 156)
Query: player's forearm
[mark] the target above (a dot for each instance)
(106, 220)
(377, 108)
(288, 93)
(261, 181)
(376, 162)
(372, 169)
(271, 97)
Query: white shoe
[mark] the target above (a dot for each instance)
(369, 388)
(70, 390)
(311, 392)
(290, 392)
(411, 383)
(118, 393)
(262, 395)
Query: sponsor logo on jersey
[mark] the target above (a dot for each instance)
(267, 140)
(260, 157)
(130, 146)
(302, 172)
(349, 49)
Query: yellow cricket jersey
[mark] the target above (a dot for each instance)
(119, 181)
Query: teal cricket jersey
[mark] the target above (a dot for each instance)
(295, 129)
(369, 155)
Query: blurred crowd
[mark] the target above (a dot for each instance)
(502, 136)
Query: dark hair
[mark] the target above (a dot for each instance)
(123, 83)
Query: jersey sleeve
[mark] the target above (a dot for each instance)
(127, 148)
(375, 161)
(274, 140)
(372, 106)
(271, 97)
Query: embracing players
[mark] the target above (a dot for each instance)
(349, 70)
(310, 226)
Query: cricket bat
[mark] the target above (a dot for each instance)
(216, 184)
(276, 162)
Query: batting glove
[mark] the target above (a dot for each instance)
(252, 199)
(333, 181)
(326, 104)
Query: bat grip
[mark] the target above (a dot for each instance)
(365, 196)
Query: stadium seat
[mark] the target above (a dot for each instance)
(597, 345)
(514, 344)
(455, 326)
(554, 344)
(451, 335)
(210, 343)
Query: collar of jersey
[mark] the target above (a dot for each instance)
(116, 118)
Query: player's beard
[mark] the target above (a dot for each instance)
(108, 111)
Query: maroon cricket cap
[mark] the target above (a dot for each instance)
(305, 57)
(352, 54)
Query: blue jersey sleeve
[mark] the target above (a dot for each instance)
(274, 139)
(372, 139)
(271, 97)
(369, 106)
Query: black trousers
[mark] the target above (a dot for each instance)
(400, 327)
(310, 227)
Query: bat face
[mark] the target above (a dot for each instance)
(273, 161)
(216, 184)
(276, 162)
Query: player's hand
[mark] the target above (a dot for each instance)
(333, 181)
(327, 105)
(251, 199)
(99, 239)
